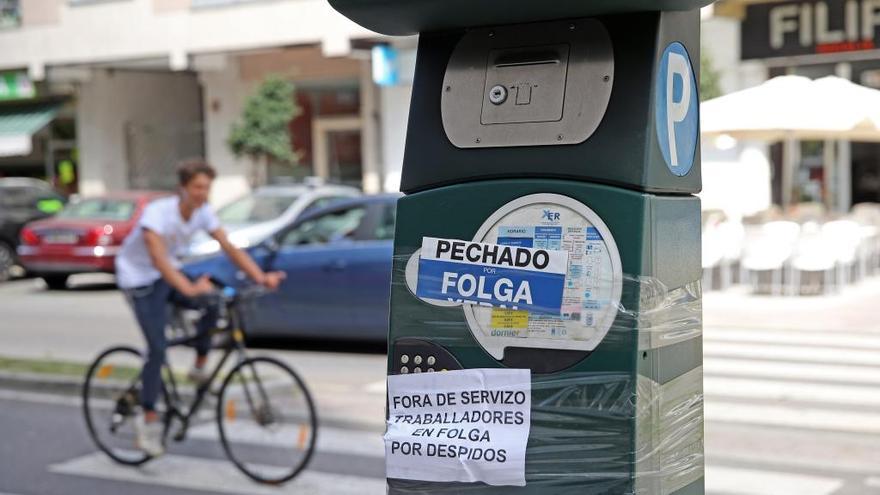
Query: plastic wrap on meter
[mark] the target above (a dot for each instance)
(630, 424)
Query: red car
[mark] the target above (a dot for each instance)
(83, 238)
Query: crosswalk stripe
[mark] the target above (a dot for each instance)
(830, 339)
(377, 387)
(330, 440)
(792, 353)
(792, 416)
(784, 370)
(735, 481)
(791, 391)
(214, 476)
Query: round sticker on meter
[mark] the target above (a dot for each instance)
(592, 282)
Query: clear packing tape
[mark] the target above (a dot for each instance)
(628, 419)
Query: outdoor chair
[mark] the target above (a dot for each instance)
(768, 250)
(844, 238)
(813, 260)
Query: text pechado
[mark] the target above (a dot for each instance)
(513, 277)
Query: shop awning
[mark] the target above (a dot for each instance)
(18, 125)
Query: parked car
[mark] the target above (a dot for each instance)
(82, 238)
(253, 218)
(21, 201)
(338, 265)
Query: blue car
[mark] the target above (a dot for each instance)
(338, 265)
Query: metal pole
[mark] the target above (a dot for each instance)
(790, 162)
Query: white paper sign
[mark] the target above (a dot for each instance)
(464, 425)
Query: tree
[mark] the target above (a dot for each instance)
(263, 134)
(710, 79)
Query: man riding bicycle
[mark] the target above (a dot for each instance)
(148, 272)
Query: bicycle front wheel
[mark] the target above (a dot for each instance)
(267, 421)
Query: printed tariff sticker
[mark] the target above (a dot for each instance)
(509, 318)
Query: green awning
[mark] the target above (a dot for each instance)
(19, 123)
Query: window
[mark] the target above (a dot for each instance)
(385, 228)
(322, 202)
(255, 209)
(333, 226)
(18, 196)
(10, 14)
(100, 209)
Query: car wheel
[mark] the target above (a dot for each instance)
(7, 261)
(56, 282)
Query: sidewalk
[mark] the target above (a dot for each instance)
(854, 309)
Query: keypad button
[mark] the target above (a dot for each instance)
(430, 370)
(431, 360)
(404, 359)
(404, 370)
(417, 360)
(417, 370)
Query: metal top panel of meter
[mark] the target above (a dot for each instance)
(528, 85)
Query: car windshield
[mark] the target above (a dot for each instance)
(256, 208)
(100, 209)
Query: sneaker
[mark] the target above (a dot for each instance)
(199, 376)
(149, 436)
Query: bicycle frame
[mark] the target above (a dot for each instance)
(173, 400)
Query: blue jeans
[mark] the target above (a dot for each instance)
(150, 304)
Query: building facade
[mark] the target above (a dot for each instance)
(749, 42)
(146, 83)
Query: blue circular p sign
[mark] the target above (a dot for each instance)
(677, 109)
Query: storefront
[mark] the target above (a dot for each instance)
(37, 132)
(817, 38)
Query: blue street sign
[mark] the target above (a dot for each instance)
(385, 66)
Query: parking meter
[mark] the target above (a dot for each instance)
(547, 249)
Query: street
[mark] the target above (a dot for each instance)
(792, 402)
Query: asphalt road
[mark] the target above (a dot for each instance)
(792, 401)
(46, 451)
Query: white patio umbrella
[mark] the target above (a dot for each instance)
(791, 108)
(795, 107)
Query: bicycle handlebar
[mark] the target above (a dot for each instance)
(229, 295)
(234, 295)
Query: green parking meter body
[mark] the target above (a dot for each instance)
(569, 128)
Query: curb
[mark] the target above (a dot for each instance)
(71, 386)
(41, 382)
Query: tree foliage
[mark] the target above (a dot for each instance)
(710, 79)
(263, 134)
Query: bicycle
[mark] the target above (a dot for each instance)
(250, 407)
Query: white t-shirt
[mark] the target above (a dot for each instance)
(133, 265)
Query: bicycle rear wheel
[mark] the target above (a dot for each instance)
(267, 421)
(111, 396)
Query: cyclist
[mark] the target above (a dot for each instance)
(148, 272)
